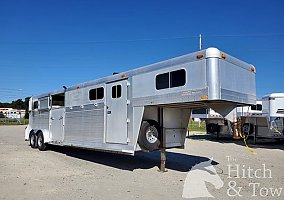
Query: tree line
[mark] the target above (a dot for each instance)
(18, 104)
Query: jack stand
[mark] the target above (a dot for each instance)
(163, 160)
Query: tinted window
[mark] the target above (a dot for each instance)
(36, 105)
(97, 93)
(200, 111)
(116, 91)
(58, 99)
(162, 81)
(256, 107)
(178, 78)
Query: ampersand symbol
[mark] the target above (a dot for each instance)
(232, 189)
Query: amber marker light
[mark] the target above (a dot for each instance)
(223, 56)
(252, 68)
(123, 76)
(204, 97)
(199, 56)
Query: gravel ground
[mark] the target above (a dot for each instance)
(66, 173)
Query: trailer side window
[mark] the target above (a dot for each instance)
(43, 103)
(58, 100)
(97, 93)
(162, 81)
(170, 80)
(116, 91)
(177, 78)
(35, 105)
(259, 107)
(256, 107)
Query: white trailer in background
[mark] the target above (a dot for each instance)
(142, 109)
(215, 123)
(266, 119)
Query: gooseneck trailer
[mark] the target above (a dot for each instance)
(265, 119)
(147, 108)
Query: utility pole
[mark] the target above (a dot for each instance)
(200, 42)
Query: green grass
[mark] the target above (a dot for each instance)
(196, 126)
(7, 121)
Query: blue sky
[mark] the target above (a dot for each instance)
(47, 44)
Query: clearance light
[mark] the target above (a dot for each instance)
(77, 87)
(252, 68)
(223, 56)
(199, 56)
(123, 76)
(203, 97)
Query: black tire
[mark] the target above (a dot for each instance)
(209, 128)
(149, 136)
(248, 129)
(33, 140)
(40, 142)
(213, 128)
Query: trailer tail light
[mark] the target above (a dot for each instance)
(199, 56)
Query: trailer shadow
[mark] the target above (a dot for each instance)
(141, 160)
(261, 142)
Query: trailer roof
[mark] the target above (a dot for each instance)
(274, 95)
(209, 52)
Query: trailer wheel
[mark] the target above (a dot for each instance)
(248, 129)
(33, 140)
(149, 136)
(40, 142)
(213, 128)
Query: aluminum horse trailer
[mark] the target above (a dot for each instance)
(147, 108)
(266, 119)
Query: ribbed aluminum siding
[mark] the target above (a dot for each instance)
(84, 126)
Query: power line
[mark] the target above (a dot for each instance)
(142, 39)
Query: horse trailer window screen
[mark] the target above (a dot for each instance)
(116, 91)
(43, 103)
(97, 93)
(177, 78)
(162, 81)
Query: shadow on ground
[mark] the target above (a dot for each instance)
(141, 160)
(261, 142)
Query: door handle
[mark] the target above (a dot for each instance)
(109, 112)
(52, 118)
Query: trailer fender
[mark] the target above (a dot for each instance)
(45, 133)
(27, 132)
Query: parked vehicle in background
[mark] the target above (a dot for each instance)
(266, 119)
(215, 123)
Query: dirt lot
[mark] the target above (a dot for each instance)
(64, 173)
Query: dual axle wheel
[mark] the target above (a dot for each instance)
(37, 141)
